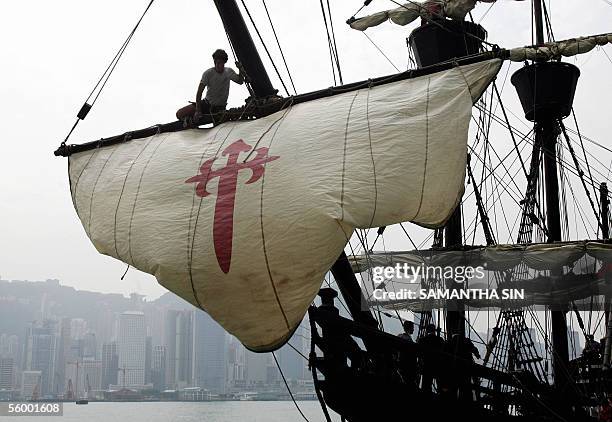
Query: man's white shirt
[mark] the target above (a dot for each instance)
(217, 85)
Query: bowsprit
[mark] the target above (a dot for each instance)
(223, 224)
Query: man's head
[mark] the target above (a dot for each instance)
(430, 329)
(408, 327)
(220, 58)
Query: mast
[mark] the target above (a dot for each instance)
(539, 22)
(434, 43)
(605, 234)
(244, 47)
(547, 130)
(455, 315)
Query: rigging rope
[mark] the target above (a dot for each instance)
(580, 174)
(367, 3)
(330, 44)
(265, 47)
(247, 80)
(588, 166)
(606, 54)
(331, 24)
(105, 76)
(485, 13)
(561, 162)
(289, 389)
(549, 30)
(499, 100)
(381, 52)
(279, 46)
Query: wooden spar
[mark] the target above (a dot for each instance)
(245, 49)
(275, 106)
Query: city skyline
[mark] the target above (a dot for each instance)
(126, 343)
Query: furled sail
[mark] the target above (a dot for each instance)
(408, 12)
(566, 48)
(549, 274)
(244, 219)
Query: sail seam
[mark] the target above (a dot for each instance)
(371, 156)
(127, 174)
(93, 190)
(263, 238)
(348, 118)
(76, 184)
(190, 237)
(144, 169)
(426, 150)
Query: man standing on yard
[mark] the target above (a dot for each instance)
(216, 80)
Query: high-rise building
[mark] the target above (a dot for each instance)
(156, 318)
(293, 365)
(256, 368)
(7, 373)
(158, 368)
(236, 365)
(90, 346)
(132, 344)
(209, 353)
(40, 355)
(110, 364)
(179, 348)
(272, 373)
(78, 328)
(148, 357)
(9, 346)
(62, 355)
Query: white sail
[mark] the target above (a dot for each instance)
(402, 15)
(244, 219)
(539, 257)
(548, 274)
(566, 48)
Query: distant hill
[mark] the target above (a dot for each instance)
(171, 300)
(25, 301)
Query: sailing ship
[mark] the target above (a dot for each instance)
(245, 218)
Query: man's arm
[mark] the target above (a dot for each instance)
(239, 78)
(201, 87)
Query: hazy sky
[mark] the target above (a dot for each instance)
(54, 51)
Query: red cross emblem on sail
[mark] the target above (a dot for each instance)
(223, 222)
